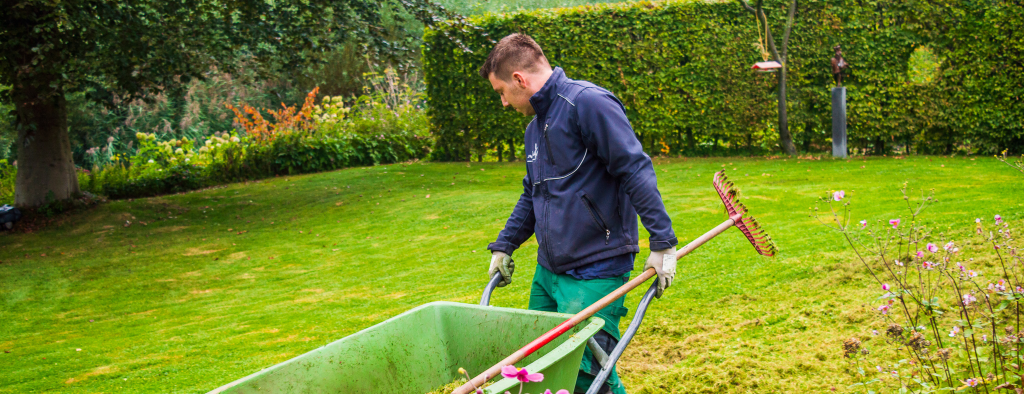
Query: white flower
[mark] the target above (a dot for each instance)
(150, 161)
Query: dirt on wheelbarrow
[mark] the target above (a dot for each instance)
(450, 387)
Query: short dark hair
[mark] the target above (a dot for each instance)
(514, 52)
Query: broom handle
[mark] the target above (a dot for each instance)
(531, 347)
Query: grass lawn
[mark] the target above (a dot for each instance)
(206, 287)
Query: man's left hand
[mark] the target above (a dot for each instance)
(664, 263)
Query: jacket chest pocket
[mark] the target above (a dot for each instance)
(562, 149)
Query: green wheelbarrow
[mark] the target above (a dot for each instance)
(421, 350)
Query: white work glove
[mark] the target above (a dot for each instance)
(503, 263)
(664, 263)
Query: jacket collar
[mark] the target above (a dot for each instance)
(547, 94)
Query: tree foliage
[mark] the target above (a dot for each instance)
(133, 48)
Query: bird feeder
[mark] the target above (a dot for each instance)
(768, 67)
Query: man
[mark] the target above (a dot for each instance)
(587, 178)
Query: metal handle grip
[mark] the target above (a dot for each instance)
(634, 325)
(485, 299)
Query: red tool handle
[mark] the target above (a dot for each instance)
(538, 343)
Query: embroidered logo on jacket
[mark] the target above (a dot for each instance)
(532, 156)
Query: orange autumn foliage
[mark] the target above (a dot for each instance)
(286, 120)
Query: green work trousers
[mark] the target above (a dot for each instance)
(564, 294)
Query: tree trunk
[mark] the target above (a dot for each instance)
(785, 139)
(499, 151)
(45, 166)
(511, 150)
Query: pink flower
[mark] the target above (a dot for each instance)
(522, 375)
(885, 286)
(999, 219)
(920, 254)
(559, 392)
(884, 309)
(838, 196)
(972, 274)
(949, 246)
(968, 299)
(894, 222)
(973, 382)
(961, 267)
(956, 330)
(927, 265)
(932, 248)
(1020, 289)
(863, 224)
(978, 220)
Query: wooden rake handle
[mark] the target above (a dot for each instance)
(538, 343)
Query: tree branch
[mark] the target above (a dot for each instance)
(747, 6)
(789, 27)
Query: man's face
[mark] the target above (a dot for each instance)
(514, 93)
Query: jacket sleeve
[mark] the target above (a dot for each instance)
(519, 226)
(607, 133)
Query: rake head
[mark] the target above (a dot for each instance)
(737, 211)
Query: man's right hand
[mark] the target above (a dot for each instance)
(664, 263)
(501, 262)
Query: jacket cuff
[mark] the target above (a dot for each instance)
(503, 247)
(664, 244)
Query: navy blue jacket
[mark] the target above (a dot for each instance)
(587, 178)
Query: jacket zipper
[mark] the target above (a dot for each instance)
(547, 145)
(546, 227)
(594, 214)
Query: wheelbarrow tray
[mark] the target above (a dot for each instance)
(422, 350)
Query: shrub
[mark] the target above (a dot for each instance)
(7, 175)
(118, 181)
(386, 125)
(680, 68)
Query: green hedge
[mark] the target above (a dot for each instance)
(682, 70)
(288, 155)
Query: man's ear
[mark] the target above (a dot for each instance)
(519, 79)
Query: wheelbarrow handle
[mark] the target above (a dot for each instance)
(485, 299)
(634, 325)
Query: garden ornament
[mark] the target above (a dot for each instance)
(664, 264)
(501, 262)
(747, 225)
(838, 65)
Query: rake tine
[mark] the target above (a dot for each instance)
(749, 226)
